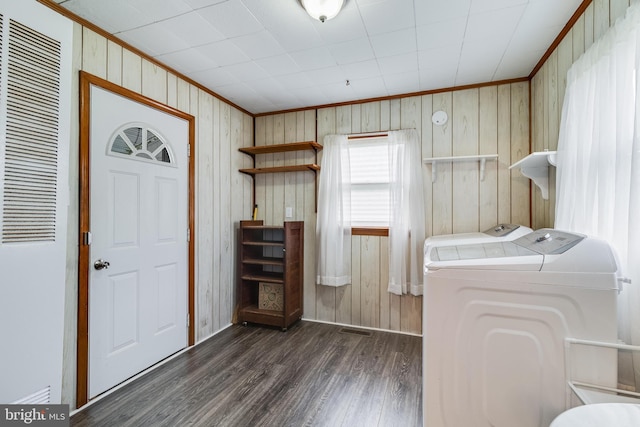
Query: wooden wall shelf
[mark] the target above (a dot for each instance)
(294, 168)
(281, 148)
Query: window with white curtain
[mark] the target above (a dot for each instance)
(382, 182)
(369, 164)
(598, 171)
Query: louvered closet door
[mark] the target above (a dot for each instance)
(139, 223)
(35, 92)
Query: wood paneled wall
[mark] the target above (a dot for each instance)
(223, 195)
(548, 89)
(486, 120)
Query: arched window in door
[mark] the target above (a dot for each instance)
(139, 142)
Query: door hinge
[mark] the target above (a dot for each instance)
(188, 320)
(188, 234)
(86, 238)
(188, 150)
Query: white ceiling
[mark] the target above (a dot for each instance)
(269, 55)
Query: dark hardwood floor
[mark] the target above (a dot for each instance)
(312, 375)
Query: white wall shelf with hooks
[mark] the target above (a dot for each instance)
(536, 167)
(482, 158)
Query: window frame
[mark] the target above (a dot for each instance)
(380, 231)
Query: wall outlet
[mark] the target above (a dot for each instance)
(288, 212)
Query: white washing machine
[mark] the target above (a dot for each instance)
(498, 233)
(495, 318)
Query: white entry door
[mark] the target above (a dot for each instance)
(138, 281)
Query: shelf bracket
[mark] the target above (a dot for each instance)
(536, 167)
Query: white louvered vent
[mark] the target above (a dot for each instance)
(41, 397)
(31, 159)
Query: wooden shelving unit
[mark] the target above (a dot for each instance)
(270, 273)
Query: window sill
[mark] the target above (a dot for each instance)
(370, 231)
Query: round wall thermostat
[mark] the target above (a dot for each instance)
(439, 118)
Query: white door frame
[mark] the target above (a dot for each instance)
(86, 81)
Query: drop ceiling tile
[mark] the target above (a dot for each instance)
(517, 63)
(338, 92)
(231, 18)
(314, 58)
(278, 65)
(159, 10)
(467, 76)
(311, 95)
(361, 70)
(237, 93)
(489, 5)
(326, 76)
(388, 16)
(247, 71)
(294, 81)
(297, 35)
(278, 14)
(154, 39)
(270, 89)
(286, 102)
(495, 26)
(258, 45)
(478, 53)
(395, 43)
(537, 16)
(197, 4)
(406, 82)
(398, 64)
(441, 34)
(223, 53)
(215, 77)
(437, 78)
(428, 12)
(344, 27)
(439, 57)
(187, 61)
(562, 10)
(193, 29)
(532, 39)
(113, 16)
(369, 88)
(357, 50)
(514, 69)
(368, 2)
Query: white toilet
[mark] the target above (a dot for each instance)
(600, 415)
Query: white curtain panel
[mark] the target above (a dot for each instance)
(407, 216)
(333, 230)
(598, 172)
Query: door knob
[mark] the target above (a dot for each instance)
(101, 264)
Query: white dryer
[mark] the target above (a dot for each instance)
(495, 318)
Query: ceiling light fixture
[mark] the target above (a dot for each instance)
(322, 10)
